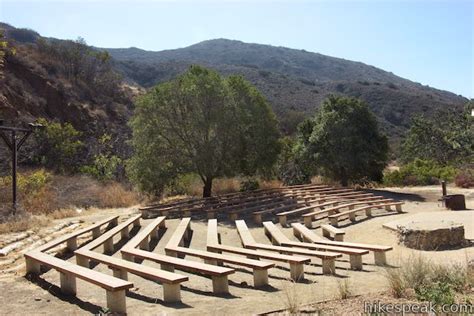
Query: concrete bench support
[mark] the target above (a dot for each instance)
(296, 271)
(329, 266)
(71, 244)
(116, 301)
(172, 293)
(68, 283)
(380, 258)
(260, 277)
(220, 284)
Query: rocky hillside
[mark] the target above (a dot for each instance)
(295, 81)
(39, 82)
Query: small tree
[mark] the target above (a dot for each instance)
(343, 142)
(446, 138)
(201, 123)
(58, 145)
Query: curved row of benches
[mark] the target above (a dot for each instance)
(253, 255)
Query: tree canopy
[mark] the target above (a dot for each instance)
(446, 138)
(201, 123)
(343, 142)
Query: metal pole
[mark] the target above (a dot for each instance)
(14, 173)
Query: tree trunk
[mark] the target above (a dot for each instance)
(344, 178)
(207, 188)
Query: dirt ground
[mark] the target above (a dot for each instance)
(20, 296)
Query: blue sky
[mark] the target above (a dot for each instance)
(430, 42)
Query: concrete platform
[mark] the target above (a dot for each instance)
(438, 219)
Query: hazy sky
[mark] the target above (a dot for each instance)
(430, 42)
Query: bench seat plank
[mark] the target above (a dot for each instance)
(65, 238)
(104, 281)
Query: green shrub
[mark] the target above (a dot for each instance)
(249, 185)
(419, 172)
(58, 146)
(28, 183)
(439, 293)
(104, 164)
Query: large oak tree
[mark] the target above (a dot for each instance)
(205, 124)
(343, 142)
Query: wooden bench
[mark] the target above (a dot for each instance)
(368, 211)
(115, 288)
(296, 263)
(337, 233)
(328, 258)
(181, 233)
(171, 281)
(282, 217)
(219, 275)
(71, 239)
(257, 216)
(278, 238)
(310, 217)
(233, 215)
(106, 239)
(303, 233)
(260, 268)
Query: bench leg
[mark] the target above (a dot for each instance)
(398, 208)
(68, 283)
(296, 271)
(339, 237)
(136, 223)
(171, 253)
(308, 222)
(368, 212)
(164, 213)
(257, 218)
(352, 217)
(171, 293)
(116, 302)
(329, 266)
(114, 222)
(121, 274)
(334, 222)
(126, 256)
(96, 232)
(154, 233)
(72, 244)
(387, 207)
(282, 220)
(125, 233)
(211, 261)
(380, 258)
(82, 261)
(233, 216)
(356, 262)
(109, 246)
(144, 244)
(326, 234)
(32, 266)
(211, 215)
(220, 284)
(260, 277)
(167, 267)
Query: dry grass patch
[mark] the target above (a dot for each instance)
(19, 224)
(115, 195)
(418, 277)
